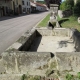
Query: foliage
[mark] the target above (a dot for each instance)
(69, 77)
(67, 5)
(63, 6)
(76, 8)
(78, 74)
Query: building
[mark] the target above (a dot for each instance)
(8, 7)
(26, 7)
(40, 7)
(16, 6)
(5, 7)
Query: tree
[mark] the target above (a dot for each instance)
(67, 5)
(76, 8)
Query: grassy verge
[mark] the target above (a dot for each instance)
(44, 22)
(70, 22)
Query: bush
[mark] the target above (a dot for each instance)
(63, 6)
(76, 8)
(67, 5)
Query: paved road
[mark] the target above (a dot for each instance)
(12, 29)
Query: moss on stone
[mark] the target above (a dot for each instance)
(22, 39)
(53, 65)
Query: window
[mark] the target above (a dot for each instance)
(24, 10)
(27, 3)
(22, 2)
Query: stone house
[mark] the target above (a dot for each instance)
(26, 7)
(8, 7)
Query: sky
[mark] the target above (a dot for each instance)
(43, 0)
(62, 0)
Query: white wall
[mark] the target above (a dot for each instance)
(40, 8)
(26, 6)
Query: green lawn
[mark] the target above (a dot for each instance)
(44, 22)
(70, 22)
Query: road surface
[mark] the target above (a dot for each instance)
(12, 29)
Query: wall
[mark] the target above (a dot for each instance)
(76, 39)
(55, 32)
(40, 8)
(27, 6)
(15, 62)
(68, 62)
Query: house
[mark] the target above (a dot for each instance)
(40, 7)
(33, 6)
(5, 7)
(26, 7)
(8, 7)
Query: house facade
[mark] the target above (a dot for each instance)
(8, 7)
(5, 7)
(26, 7)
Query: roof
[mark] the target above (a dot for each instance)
(32, 4)
(39, 4)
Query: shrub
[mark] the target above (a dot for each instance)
(67, 5)
(76, 8)
(63, 6)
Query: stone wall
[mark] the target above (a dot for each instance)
(10, 77)
(26, 40)
(68, 62)
(55, 32)
(13, 61)
(76, 39)
(16, 62)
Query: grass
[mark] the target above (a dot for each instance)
(70, 22)
(44, 22)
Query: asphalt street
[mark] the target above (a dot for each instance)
(11, 28)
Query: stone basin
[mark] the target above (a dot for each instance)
(41, 50)
(44, 40)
